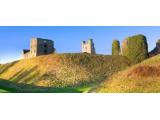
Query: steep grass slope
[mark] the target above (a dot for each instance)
(63, 70)
(143, 77)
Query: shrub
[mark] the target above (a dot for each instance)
(115, 47)
(136, 48)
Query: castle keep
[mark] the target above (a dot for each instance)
(88, 47)
(39, 46)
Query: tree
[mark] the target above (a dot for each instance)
(136, 48)
(115, 47)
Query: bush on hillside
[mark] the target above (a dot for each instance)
(136, 48)
(115, 47)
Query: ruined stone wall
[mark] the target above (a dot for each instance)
(33, 47)
(39, 46)
(44, 47)
(124, 45)
(26, 55)
(156, 50)
(88, 47)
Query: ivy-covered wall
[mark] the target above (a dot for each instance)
(136, 48)
(115, 47)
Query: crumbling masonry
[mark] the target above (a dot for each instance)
(88, 47)
(39, 46)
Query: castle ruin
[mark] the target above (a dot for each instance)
(39, 46)
(88, 47)
(156, 50)
(124, 45)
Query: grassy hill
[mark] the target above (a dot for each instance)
(143, 77)
(9, 86)
(63, 71)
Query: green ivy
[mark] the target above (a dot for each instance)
(115, 47)
(136, 49)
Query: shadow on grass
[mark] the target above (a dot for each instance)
(4, 68)
(13, 87)
(22, 75)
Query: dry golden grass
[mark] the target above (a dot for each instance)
(62, 70)
(143, 77)
(144, 71)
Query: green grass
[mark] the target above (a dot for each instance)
(74, 72)
(3, 91)
(12, 87)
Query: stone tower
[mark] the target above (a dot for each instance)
(39, 46)
(124, 45)
(88, 47)
(156, 50)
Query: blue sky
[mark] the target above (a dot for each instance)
(68, 39)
